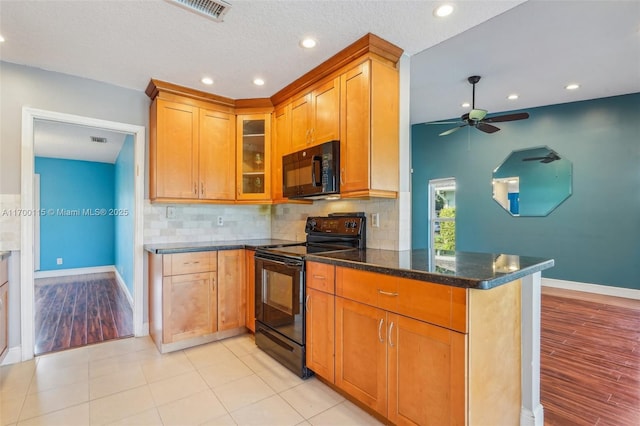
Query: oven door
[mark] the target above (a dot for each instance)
(280, 295)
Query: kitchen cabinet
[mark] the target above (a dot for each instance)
(369, 118)
(250, 279)
(417, 352)
(315, 116)
(254, 157)
(320, 320)
(232, 302)
(188, 296)
(4, 308)
(410, 371)
(195, 297)
(191, 148)
(281, 145)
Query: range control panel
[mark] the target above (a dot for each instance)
(337, 225)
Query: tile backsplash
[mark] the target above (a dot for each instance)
(193, 222)
(288, 220)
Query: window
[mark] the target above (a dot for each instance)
(442, 214)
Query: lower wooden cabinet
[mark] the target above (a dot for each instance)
(232, 293)
(196, 297)
(320, 333)
(189, 306)
(250, 280)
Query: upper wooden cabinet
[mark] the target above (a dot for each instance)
(254, 157)
(369, 141)
(281, 144)
(191, 148)
(315, 116)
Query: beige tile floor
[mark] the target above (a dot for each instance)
(128, 382)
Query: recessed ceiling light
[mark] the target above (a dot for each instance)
(443, 10)
(258, 82)
(465, 105)
(512, 97)
(207, 80)
(308, 43)
(572, 86)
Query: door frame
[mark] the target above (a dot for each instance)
(27, 314)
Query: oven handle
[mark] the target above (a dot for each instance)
(278, 260)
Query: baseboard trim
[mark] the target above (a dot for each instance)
(13, 356)
(73, 271)
(123, 286)
(606, 290)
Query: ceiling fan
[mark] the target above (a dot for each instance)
(549, 158)
(478, 117)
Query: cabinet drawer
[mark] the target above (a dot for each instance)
(438, 304)
(321, 276)
(367, 287)
(4, 272)
(189, 263)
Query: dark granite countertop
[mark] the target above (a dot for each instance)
(186, 247)
(459, 269)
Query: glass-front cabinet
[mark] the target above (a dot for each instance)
(253, 156)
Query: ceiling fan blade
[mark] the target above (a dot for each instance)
(534, 158)
(448, 132)
(442, 122)
(477, 114)
(507, 117)
(487, 128)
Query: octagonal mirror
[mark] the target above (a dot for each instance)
(532, 182)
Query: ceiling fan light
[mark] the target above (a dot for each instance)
(477, 114)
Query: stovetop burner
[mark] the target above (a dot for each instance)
(336, 232)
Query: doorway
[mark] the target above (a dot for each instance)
(27, 262)
(442, 215)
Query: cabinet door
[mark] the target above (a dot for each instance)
(217, 156)
(320, 333)
(189, 306)
(301, 122)
(231, 289)
(361, 353)
(326, 112)
(174, 155)
(250, 279)
(254, 156)
(281, 145)
(426, 373)
(356, 131)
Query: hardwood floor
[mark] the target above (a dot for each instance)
(80, 310)
(590, 359)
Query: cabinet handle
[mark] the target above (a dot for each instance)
(380, 330)
(391, 334)
(195, 188)
(341, 176)
(202, 188)
(306, 303)
(387, 293)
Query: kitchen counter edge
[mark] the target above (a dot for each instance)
(190, 247)
(480, 281)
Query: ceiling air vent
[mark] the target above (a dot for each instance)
(98, 139)
(211, 9)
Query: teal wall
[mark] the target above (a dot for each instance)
(124, 204)
(82, 240)
(594, 236)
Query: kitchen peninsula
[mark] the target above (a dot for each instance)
(413, 336)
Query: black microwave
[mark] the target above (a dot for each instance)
(312, 172)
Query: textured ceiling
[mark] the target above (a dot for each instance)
(532, 48)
